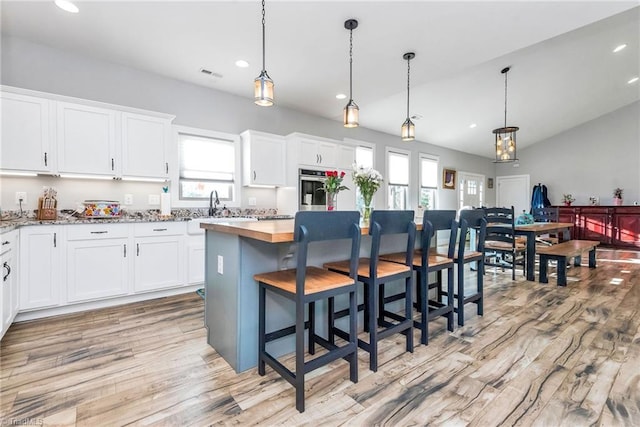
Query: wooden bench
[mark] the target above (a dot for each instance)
(561, 252)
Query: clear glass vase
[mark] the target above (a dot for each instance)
(332, 201)
(366, 210)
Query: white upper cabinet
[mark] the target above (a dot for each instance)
(86, 138)
(25, 142)
(145, 145)
(264, 159)
(317, 152)
(346, 157)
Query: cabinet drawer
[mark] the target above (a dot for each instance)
(149, 229)
(9, 241)
(97, 231)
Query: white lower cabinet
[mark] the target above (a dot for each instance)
(9, 291)
(195, 260)
(40, 261)
(159, 255)
(97, 261)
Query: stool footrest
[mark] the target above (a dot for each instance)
(290, 330)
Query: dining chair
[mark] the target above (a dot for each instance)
(502, 248)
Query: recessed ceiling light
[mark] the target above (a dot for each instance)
(633, 80)
(619, 48)
(66, 5)
(241, 63)
(472, 125)
(341, 96)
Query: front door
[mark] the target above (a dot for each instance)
(471, 190)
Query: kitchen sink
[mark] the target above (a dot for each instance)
(193, 226)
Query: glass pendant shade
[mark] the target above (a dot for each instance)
(408, 130)
(351, 114)
(263, 90)
(506, 144)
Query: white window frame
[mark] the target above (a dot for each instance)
(388, 151)
(175, 176)
(436, 159)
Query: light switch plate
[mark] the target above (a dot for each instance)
(154, 199)
(128, 199)
(220, 264)
(252, 201)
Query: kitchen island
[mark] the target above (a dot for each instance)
(234, 252)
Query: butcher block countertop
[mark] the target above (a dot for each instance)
(276, 231)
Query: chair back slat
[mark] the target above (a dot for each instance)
(384, 222)
(472, 218)
(545, 214)
(443, 220)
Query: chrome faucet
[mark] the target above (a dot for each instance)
(213, 205)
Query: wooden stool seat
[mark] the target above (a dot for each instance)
(493, 244)
(384, 268)
(317, 280)
(468, 256)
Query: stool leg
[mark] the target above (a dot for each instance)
(366, 307)
(353, 336)
(299, 374)
(381, 305)
(461, 293)
(424, 307)
(408, 307)
(331, 320)
(261, 328)
(440, 293)
(577, 260)
(373, 330)
(312, 327)
(419, 292)
(449, 297)
(480, 286)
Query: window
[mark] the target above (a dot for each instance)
(428, 181)
(364, 158)
(398, 179)
(207, 163)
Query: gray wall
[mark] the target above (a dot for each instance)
(38, 67)
(588, 160)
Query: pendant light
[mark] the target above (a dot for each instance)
(408, 128)
(505, 144)
(263, 85)
(351, 110)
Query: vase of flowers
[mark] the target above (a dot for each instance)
(332, 186)
(567, 199)
(617, 196)
(368, 181)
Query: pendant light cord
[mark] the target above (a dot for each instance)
(505, 98)
(263, 36)
(408, 86)
(350, 64)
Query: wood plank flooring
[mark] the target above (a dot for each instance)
(540, 356)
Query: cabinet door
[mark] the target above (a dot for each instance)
(25, 142)
(158, 263)
(327, 154)
(144, 146)
(568, 214)
(195, 260)
(9, 291)
(309, 152)
(627, 230)
(96, 269)
(39, 260)
(595, 225)
(346, 156)
(87, 140)
(264, 159)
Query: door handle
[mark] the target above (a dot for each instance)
(159, 229)
(125, 250)
(112, 164)
(45, 158)
(137, 249)
(55, 240)
(6, 276)
(166, 167)
(254, 175)
(99, 232)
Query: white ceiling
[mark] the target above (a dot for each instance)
(563, 70)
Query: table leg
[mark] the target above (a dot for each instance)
(562, 271)
(592, 258)
(531, 256)
(543, 269)
(577, 261)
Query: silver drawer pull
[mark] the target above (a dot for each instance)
(159, 229)
(99, 232)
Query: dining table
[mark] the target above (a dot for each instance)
(531, 231)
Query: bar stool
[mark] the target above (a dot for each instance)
(426, 261)
(304, 285)
(374, 273)
(470, 219)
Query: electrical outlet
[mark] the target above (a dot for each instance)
(220, 264)
(252, 201)
(128, 199)
(154, 199)
(21, 196)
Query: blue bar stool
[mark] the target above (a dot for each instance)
(470, 219)
(373, 272)
(305, 285)
(426, 261)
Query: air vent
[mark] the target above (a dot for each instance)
(210, 73)
(416, 116)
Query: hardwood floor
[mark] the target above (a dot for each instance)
(541, 355)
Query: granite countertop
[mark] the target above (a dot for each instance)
(11, 220)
